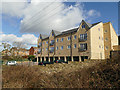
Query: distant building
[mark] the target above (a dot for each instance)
(21, 52)
(88, 41)
(33, 51)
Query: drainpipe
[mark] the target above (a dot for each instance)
(71, 46)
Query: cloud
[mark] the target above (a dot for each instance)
(42, 17)
(93, 13)
(28, 39)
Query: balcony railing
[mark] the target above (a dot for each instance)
(51, 51)
(81, 49)
(39, 51)
(39, 45)
(52, 43)
(81, 39)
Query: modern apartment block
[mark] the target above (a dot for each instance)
(88, 41)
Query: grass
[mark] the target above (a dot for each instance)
(88, 74)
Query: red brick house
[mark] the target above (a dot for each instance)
(33, 51)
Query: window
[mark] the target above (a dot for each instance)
(99, 29)
(61, 47)
(68, 46)
(99, 46)
(52, 34)
(102, 38)
(57, 48)
(43, 49)
(40, 37)
(74, 36)
(43, 43)
(46, 49)
(57, 40)
(52, 48)
(106, 39)
(106, 47)
(52, 41)
(83, 46)
(61, 39)
(105, 31)
(83, 26)
(46, 42)
(99, 37)
(83, 36)
(40, 44)
(74, 45)
(69, 38)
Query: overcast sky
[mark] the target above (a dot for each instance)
(24, 21)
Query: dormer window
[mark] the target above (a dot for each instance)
(83, 26)
(40, 37)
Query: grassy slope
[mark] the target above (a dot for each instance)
(74, 75)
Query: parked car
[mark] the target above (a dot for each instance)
(40, 63)
(11, 63)
(45, 62)
(60, 61)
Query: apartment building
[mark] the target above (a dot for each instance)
(88, 41)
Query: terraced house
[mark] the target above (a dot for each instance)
(88, 41)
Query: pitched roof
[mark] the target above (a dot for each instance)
(95, 23)
(56, 32)
(70, 31)
(89, 25)
(44, 36)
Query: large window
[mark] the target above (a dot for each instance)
(69, 38)
(61, 47)
(83, 26)
(46, 42)
(75, 36)
(57, 48)
(68, 46)
(74, 45)
(83, 36)
(61, 39)
(57, 40)
(83, 46)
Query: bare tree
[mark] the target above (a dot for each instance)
(19, 45)
(6, 47)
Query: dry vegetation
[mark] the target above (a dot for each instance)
(88, 74)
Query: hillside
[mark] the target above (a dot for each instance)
(88, 74)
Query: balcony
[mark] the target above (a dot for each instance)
(39, 51)
(82, 49)
(52, 43)
(82, 40)
(51, 51)
(39, 45)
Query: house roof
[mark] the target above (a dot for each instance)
(58, 33)
(44, 36)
